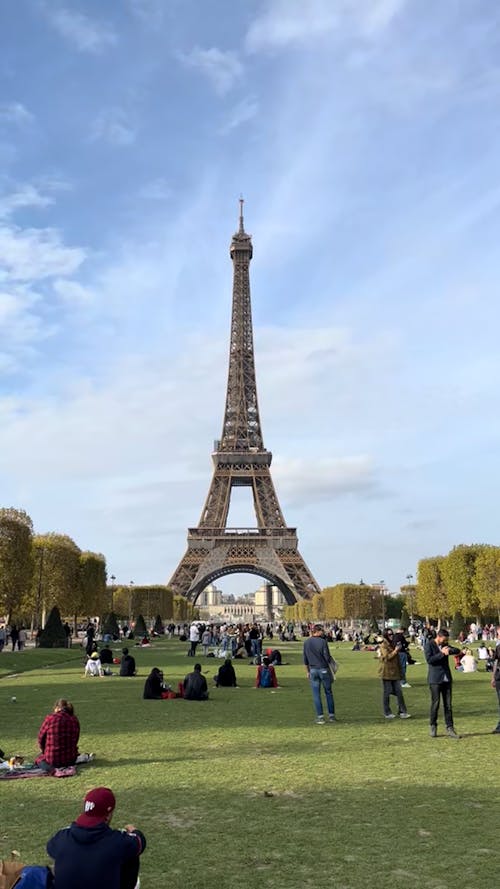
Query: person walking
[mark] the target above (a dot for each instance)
(437, 652)
(390, 673)
(319, 663)
(89, 853)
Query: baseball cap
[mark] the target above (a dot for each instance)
(95, 655)
(97, 806)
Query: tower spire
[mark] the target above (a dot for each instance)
(242, 227)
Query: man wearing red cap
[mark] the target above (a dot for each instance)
(89, 853)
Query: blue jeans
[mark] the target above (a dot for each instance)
(317, 679)
(403, 660)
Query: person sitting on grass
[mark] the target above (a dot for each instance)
(58, 738)
(195, 685)
(154, 685)
(127, 664)
(93, 667)
(266, 675)
(226, 676)
(106, 656)
(89, 854)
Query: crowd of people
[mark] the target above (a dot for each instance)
(89, 846)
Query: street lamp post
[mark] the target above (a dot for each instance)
(382, 590)
(131, 585)
(409, 578)
(112, 579)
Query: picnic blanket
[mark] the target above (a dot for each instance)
(36, 772)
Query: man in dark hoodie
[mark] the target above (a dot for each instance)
(89, 853)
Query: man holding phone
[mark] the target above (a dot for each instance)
(439, 678)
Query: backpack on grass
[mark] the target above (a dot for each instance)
(266, 679)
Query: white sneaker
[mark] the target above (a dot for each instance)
(405, 716)
(405, 685)
(390, 716)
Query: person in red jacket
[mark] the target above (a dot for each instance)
(58, 737)
(266, 675)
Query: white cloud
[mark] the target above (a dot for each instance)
(286, 23)
(15, 112)
(321, 479)
(35, 253)
(112, 125)
(72, 292)
(86, 34)
(240, 114)
(25, 195)
(222, 68)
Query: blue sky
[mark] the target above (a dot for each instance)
(365, 137)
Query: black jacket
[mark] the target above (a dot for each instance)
(91, 857)
(127, 665)
(439, 668)
(195, 687)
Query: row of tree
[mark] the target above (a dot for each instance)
(40, 571)
(461, 586)
(348, 601)
(466, 583)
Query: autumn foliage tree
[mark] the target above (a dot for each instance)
(16, 562)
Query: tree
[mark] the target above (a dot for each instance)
(458, 570)
(53, 634)
(140, 626)
(432, 600)
(16, 559)
(486, 580)
(158, 628)
(57, 573)
(110, 626)
(93, 597)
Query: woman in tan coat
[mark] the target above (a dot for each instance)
(390, 674)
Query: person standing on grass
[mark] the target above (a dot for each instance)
(90, 855)
(318, 663)
(495, 682)
(390, 674)
(439, 678)
(401, 640)
(194, 638)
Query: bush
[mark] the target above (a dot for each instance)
(53, 634)
(140, 628)
(110, 626)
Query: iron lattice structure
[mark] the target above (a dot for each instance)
(240, 458)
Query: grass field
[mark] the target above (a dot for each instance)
(246, 789)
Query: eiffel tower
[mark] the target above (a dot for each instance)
(240, 458)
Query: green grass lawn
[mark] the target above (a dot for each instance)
(246, 789)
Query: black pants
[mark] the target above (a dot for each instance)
(441, 689)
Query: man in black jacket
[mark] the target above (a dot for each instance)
(89, 853)
(127, 664)
(439, 678)
(195, 685)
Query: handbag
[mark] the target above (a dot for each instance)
(10, 871)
